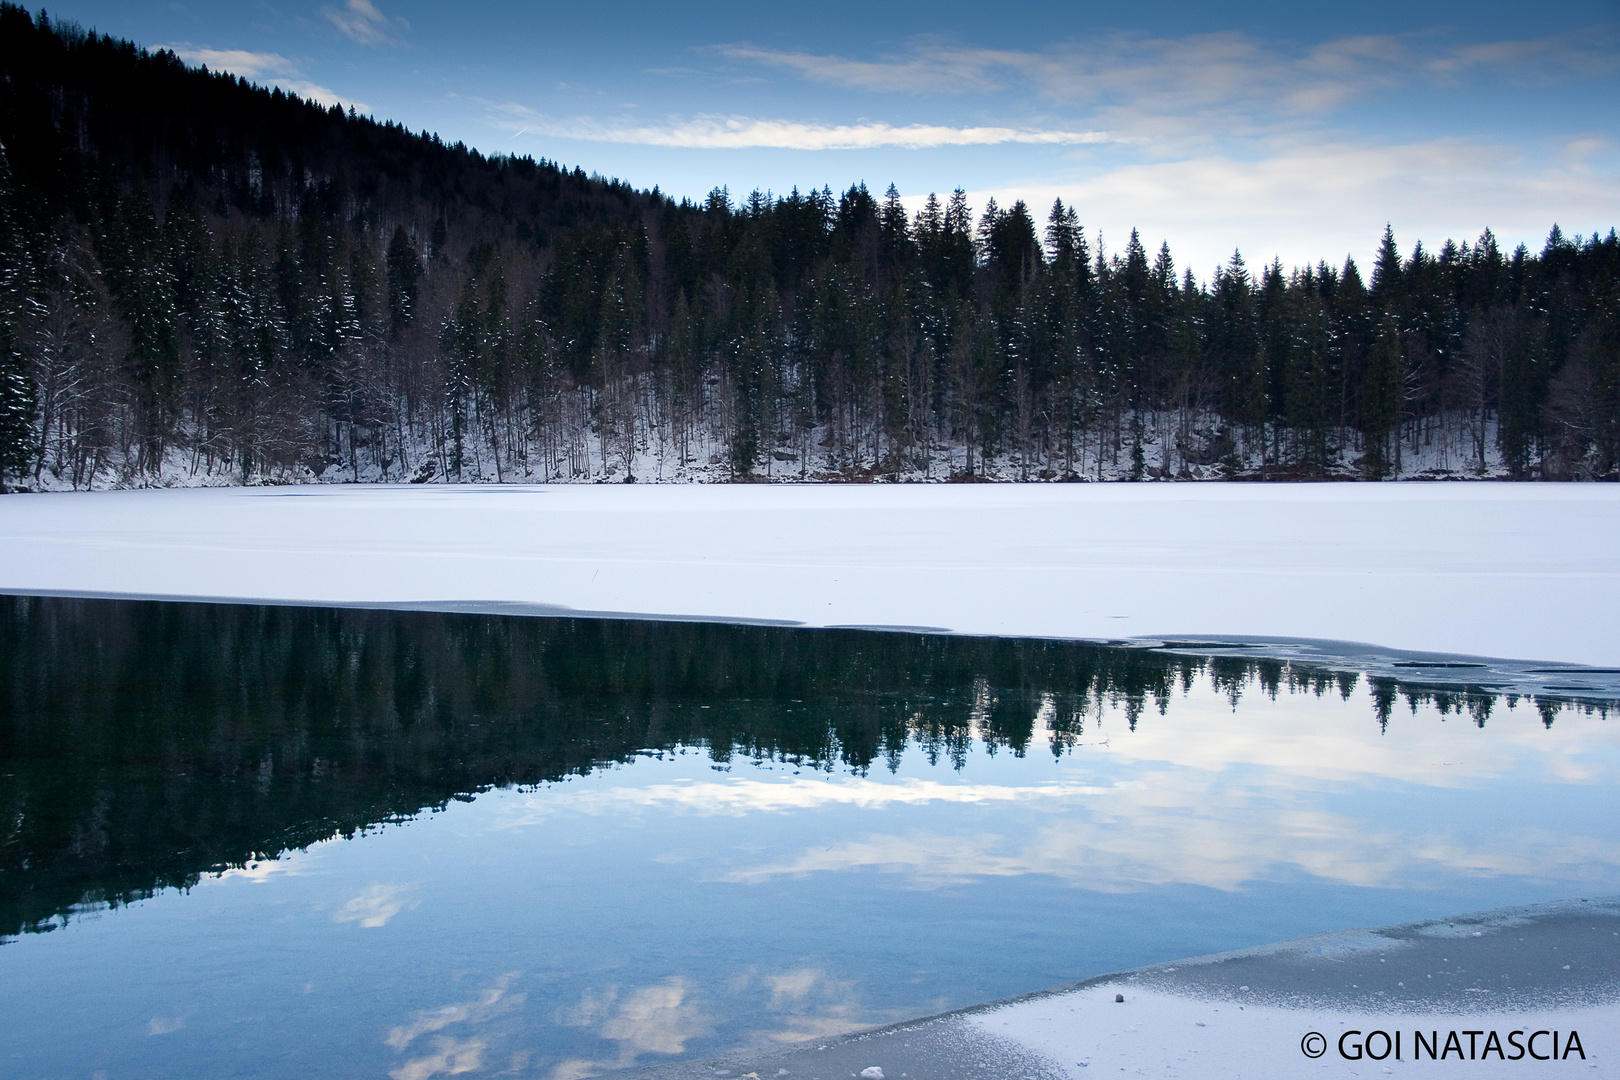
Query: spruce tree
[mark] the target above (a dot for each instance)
(1381, 400)
(17, 392)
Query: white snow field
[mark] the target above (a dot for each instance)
(1527, 571)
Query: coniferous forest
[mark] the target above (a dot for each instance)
(202, 281)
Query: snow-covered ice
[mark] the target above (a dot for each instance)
(1529, 571)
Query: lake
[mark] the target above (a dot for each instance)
(280, 841)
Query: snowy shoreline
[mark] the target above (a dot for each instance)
(1529, 571)
(1505, 977)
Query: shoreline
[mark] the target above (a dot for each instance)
(1406, 670)
(1550, 967)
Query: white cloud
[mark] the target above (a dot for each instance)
(1326, 200)
(925, 70)
(361, 21)
(249, 65)
(321, 95)
(1193, 73)
(269, 68)
(711, 132)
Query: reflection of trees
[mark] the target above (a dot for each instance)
(145, 743)
(1475, 702)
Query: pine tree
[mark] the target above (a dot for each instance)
(17, 391)
(404, 276)
(17, 406)
(1381, 399)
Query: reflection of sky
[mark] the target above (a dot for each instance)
(681, 906)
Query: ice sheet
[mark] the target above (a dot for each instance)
(1528, 571)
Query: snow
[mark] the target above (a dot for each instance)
(1154, 1033)
(571, 451)
(1529, 571)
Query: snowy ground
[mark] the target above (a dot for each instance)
(1502, 976)
(571, 453)
(1529, 571)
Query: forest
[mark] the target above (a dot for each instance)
(205, 281)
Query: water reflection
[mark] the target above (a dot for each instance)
(450, 1054)
(649, 841)
(146, 744)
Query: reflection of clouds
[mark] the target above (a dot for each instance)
(260, 870)
(1305, 738)
(488, 1003)
(794, 986)
(1199, 795)
(739, 797)
(285, 864)
(1163, 830)
(657, 1019)
(374, 906)
(451, 1055)
(812, 1005)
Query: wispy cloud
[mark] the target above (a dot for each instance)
(249, 65)
(712, 132)
(927, 69)
(361, 21)
(264, 67)
(1144, 74)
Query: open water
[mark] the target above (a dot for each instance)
(276, 841)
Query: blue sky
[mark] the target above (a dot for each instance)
(1286, 130)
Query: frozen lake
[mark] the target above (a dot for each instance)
(435, 843)
(1522, 571)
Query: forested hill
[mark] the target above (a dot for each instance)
(202, 281)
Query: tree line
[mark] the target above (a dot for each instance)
(205, 281)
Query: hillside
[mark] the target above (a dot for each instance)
(204, 281)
